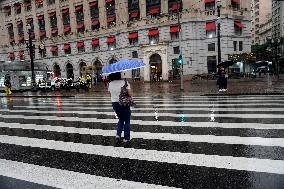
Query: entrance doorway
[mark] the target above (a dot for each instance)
(69, 71)
(155, 67)
(56, 70)
(82, 68)
(113, 60)
(98, 70)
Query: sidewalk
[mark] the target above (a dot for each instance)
(257, 86)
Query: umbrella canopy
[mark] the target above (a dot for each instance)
(123, 65)
(225, 64)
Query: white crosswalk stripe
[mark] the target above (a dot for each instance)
(70, 142)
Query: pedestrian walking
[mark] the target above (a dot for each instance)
(221, 79)
(122, 111)
(8, 87)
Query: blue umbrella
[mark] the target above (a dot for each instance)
(123, 65)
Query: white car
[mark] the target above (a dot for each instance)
(49, 85)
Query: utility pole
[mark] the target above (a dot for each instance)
(180, 48)
(31, 50)
(219, 5)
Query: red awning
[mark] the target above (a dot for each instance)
(133, 35)
(108, 1)
(95, 22)
(95, 42)
(110, 19)
(39, 1)
(154, 11)
(53, 49)
(134, 14)
(110, 39)
(153, 32)
(51, 14)
(238, 24)
(65, 11)
(27, 4)
(21, 38)
(29, 20)
(32, 34)
(19, 22)
(66, 46)
(40, 17)
(210, 26)
(175, 7)
(21, 53)
(79, 26)
(78, 8)
(54, 30)
(41, 34)
(11, 54)
(93, 4)
(66, 29)
(209, 1)
(18, 7)
(80, 44)
(236, 1)
(174, 29)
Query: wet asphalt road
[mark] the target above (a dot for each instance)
(177, 142)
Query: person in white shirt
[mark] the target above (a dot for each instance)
(123, 112)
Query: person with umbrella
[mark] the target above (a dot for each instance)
(223, 76)
(117, 88)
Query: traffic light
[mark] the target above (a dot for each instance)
(180, 60)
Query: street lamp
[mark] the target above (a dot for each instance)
(219, 5)
(275, 43)
(180, 49)
(30, 46)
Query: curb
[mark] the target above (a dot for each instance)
(36, 96)
(241, 94)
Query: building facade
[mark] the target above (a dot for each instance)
(261, 15)
(265, 32)
(277, 19)
(74, 37)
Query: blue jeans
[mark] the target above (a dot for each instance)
(123, 113)
(222, 81)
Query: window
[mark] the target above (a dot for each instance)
(174, 36)
(42, 51)
(94, 10)
(211, 64)
(133, 38)
(11, 56)
(176, 50)
(134, 54)
(238, 26)
(110, 12)
(95, 25)
(153, 36)
(18, 8)
(111, 43)
(67, 48)
(174, 6)
(39, 3)
(235, 4)
(209, 5)
(80, 46)
(211, 47)
(240, 46)
(235, 45)
(50, 2)
(65, 17)
(174, 30)
(54, 51)
(153, 8)
(28, 5)
(7, 10)
(53, 20)
(133, 10)
(210, 29)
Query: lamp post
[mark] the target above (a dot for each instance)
(275, 47)
(180, 49)
(30, 46)
(219, 5)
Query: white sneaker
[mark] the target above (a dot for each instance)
(223, 89)
(220, 90)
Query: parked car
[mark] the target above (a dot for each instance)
(49, 85)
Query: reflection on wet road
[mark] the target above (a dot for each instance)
(177, 142)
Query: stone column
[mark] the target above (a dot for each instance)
(142, 7)
(46, 20)
(72, 15)
(121, 11)
(164, 6)
(59, 17)
(87, 15)
(102, 13)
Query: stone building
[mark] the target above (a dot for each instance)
(73, 37)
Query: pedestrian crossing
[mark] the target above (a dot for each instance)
(177, 142)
